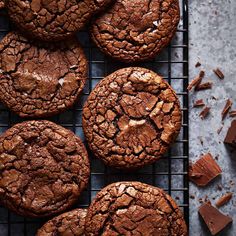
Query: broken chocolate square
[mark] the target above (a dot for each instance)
(224, 199)
(226, 109)
(219, 73)
(205, 112)
(214, 219)
(231, 135)
(204, 170)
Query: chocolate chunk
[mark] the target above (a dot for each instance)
(195, 82)
(131, 118)
(219, 130)
(213, 218)
(226, 109)
(205, 112)
(231, 135)
(199, 103)
(224, 199)
(198, 64)
(204, 86)
(204, 170)
(219, 73)
(232, 113)
(134, 209)
(136, 30)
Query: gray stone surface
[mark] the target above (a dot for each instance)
(213, 43)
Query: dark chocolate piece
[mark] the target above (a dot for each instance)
(219, 130)
(204, 170)
(224, 199)
(231, 135)
(205, 112)
(232, 113)
(199, 103)
(219, 73)
(204, 86)
(214, 219)
(195, 82)
(226, 109)
(198, 64)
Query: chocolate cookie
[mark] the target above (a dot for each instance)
(68, 224)
(44, 168)
(134, 208)
(40, 79)
(54, 19)
(136, 30)
(131, 118)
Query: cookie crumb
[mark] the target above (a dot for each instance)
(219, 73)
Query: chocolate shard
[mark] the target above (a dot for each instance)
(199, 103)
(204, 86)
(219, 130)
(219, 73)
(214, 219)
(226, 109)
(231, 135)
(198, 64)
(195, 82)
(232, 113)
(204, 170)
(224, 199)
(205, 112)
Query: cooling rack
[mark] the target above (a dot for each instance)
(170, 173)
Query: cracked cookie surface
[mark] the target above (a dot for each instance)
(136, 30)
(131, 118)
(44, 168)
(134, 208)
(50, 20)
(67, 224)
(40, 79)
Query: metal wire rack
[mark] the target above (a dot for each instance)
(170, 173)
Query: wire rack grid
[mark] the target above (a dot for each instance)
(169, 173)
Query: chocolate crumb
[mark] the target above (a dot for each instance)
(213, 97)
(192, 196)
(204, 170)
(224, 199)
(204, 86)
(205, 112)
(226, 109)
(219, 130)
(199, 103)
(232, 113)
(230, 138)
(214, 219)
(195, 82)
(177, 198)
(219, 73)
(219, 187)
(200, 200)
(198, 64)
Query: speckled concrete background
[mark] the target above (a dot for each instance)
(213, 43)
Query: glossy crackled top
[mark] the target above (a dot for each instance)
(131, 118)
(40, 79)
(44, 167)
